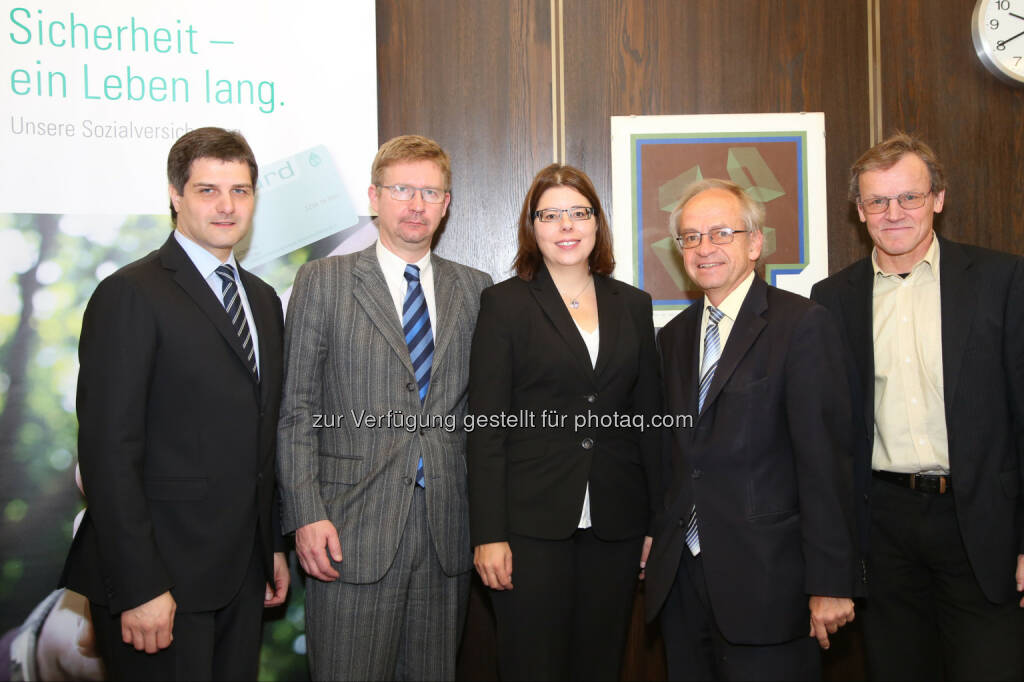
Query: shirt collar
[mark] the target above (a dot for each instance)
(390, 263)
(931, 258)
(734, 301)
(204, 261)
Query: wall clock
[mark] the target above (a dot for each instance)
(997, 28)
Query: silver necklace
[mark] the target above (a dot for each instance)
(574, 302)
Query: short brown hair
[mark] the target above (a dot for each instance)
(887, 154)
(406, 148)
(752, 211)
(206, 143)
(528, 257)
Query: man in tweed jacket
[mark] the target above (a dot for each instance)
(371, 445)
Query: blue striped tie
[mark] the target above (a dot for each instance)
(419, 339)
(233, 305)
(712, 352)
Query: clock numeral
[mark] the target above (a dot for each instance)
(993, 24)
(1001, 45)
(1016, 61)
(1002, 4)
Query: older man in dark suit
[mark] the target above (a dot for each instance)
(372, 453)
(753, 550)
(178, 395)
(935, 331)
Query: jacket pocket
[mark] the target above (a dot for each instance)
(174, 488)
(341, 470)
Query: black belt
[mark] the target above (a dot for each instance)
(937, 484)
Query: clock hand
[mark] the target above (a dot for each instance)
(1017, 16)
(1003, 42)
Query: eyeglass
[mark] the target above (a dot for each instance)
(718, 235)
(576, 214)
(431, 195)
(907, 200)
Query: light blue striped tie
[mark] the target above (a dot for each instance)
(233, 305)
(712, 352)
(419, 339)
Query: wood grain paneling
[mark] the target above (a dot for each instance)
(476, 77)
(720, 57)
(933, 85)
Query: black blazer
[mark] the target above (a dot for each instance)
(528, 358)
(175, 439)
(767, 464)
(982, 307)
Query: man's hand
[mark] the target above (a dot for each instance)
(310, 541)
(644, 553)
(276, 593)
(148, 627)
(1020, 577)
(828, 614)
(493, 562)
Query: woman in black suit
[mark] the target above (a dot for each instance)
(563, 459)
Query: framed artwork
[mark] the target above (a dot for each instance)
(778, 159)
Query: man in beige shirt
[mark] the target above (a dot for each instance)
(935, 334)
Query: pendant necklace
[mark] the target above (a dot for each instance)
(574, 302)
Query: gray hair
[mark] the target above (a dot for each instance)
(751, 210)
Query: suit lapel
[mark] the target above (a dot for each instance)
(543, 289)
(174, 258)
(958, 301)
(371, 293)
(857, 305)
(609, 314)
(686, 352)
(448, 309)
(748, 326)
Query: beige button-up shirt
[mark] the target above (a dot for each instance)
(910, 410)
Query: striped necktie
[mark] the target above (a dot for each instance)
(419, 339)
(712, 352)
(233, 305)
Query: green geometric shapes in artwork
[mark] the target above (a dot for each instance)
(769, 242)
(758, 180)
(668, 193)
(670, 259)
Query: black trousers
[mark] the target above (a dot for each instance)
(695, 649)
(208, 645)
(568, 614)
(926, 617)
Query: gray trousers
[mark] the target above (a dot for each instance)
(407, 626)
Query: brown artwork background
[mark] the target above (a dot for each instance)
(661, 163)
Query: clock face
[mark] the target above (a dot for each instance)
(997, 28)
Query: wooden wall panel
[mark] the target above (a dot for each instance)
(476, 77)
(720, 57)
(933, 85)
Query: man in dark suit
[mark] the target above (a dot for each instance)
(753, 548)
(372, 454)
(178, 395)
(935, 332)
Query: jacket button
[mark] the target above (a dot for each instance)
(866, 497)
(682, 524)
(259, 477)
(587, 443)
(591, 398)
(696, 473)
(407, 480)
(423, 432)
(411, 386)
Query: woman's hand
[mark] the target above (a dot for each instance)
(493, 562)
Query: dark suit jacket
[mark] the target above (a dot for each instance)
(767, 464)
(175, 440)
(982, 307)
(529, 357)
